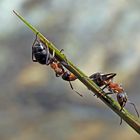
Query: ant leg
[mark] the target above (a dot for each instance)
(120, 117)
(61, 50)
(75, 90)
(122, 106)
(134, 108)
(65, 63)
(53, 54)
(102, 90)
(35, 39)
(108, 93)
(48, 55)
(120, 120)
(33, 59)
(48, 60)
(57, 75)
(105, 86)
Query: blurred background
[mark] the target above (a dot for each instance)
(98, 36)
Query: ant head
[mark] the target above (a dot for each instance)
(122, 99)
(38, 47)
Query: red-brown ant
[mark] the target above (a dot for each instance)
(42, 55)
(106, 81)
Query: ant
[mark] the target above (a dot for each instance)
(106, 81)
(42, 55)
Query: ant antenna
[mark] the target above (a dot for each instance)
(134, 108)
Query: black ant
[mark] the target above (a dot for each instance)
(42, 55)
(106, 81)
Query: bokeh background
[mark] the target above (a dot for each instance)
(97, 35)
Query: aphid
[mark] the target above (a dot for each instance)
(106, 81)
(42, 55)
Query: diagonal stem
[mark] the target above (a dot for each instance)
(124, 114)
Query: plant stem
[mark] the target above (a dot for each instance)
(124, 114)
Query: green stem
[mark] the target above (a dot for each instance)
(124, 114)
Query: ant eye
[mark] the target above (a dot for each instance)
(119, 96)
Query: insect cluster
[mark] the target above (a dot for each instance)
(42, 55)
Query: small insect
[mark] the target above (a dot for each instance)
(68, 76)
(106, 81)
(100, 78)
(42, 55)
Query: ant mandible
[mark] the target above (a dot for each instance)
(106, 81)
(42, 55)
